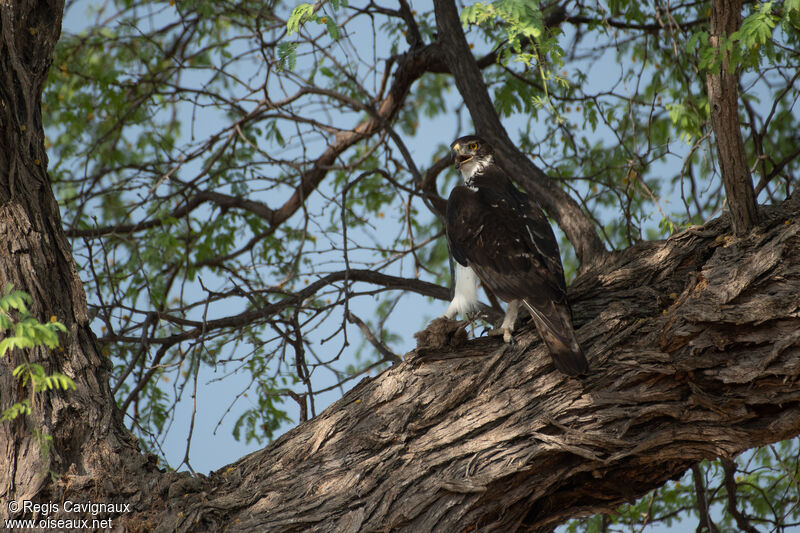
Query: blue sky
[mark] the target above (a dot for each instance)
(221, 394)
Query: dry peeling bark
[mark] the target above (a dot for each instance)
(692, 342)
(694, 351)
(694, 348)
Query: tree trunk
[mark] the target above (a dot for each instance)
(723, 102)
(694, 352)
(85, 426)
(692, 343)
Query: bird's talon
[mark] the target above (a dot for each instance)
(507, 334)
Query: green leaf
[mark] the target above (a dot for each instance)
(12, 299)
(58, 380)
(15, 342)
(698, 37)
(17, 409)
(287, 56)
(299, 16)
(333, 29)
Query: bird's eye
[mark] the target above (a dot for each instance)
(473, 146)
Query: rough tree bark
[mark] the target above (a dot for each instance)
(86, 430)
(723, 99)
(693, 344)
(694, 348)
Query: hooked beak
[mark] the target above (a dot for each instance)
(460, 159)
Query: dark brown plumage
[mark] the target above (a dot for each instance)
(505, 238)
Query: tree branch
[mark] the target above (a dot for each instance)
(729, 466)
(702, 501)
(384, 350)
(723, 101)
(496, 440)
(653, 28)
(290, 300)
(224, 201)
(411, 66)
(567, 212)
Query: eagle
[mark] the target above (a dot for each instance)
(499, 236)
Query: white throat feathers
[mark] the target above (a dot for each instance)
(473, 166)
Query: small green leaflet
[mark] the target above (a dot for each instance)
(41, 381)
(305, 13)
(20, 408)
(287, 56)
(333, 29)
(299, 16)
(521, 16)
(14, 299)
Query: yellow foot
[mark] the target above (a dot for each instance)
(505, 332)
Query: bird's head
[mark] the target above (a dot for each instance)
(470, 154)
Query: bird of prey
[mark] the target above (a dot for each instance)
(496, 234)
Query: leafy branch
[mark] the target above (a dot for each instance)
(303, 13)
(27, 332)
(527, 40)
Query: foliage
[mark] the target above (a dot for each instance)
(765, 482)
(224, 172)
(521, 20)
(303, 13)
(526, 40)
(23, 331)
(27, 332)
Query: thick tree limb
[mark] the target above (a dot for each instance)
(694, 354)
(567, 212)
(693, 345)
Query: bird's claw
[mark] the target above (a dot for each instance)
(507, 334)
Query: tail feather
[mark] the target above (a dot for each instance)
(557, 332)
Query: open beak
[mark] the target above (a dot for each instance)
(460, 159)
